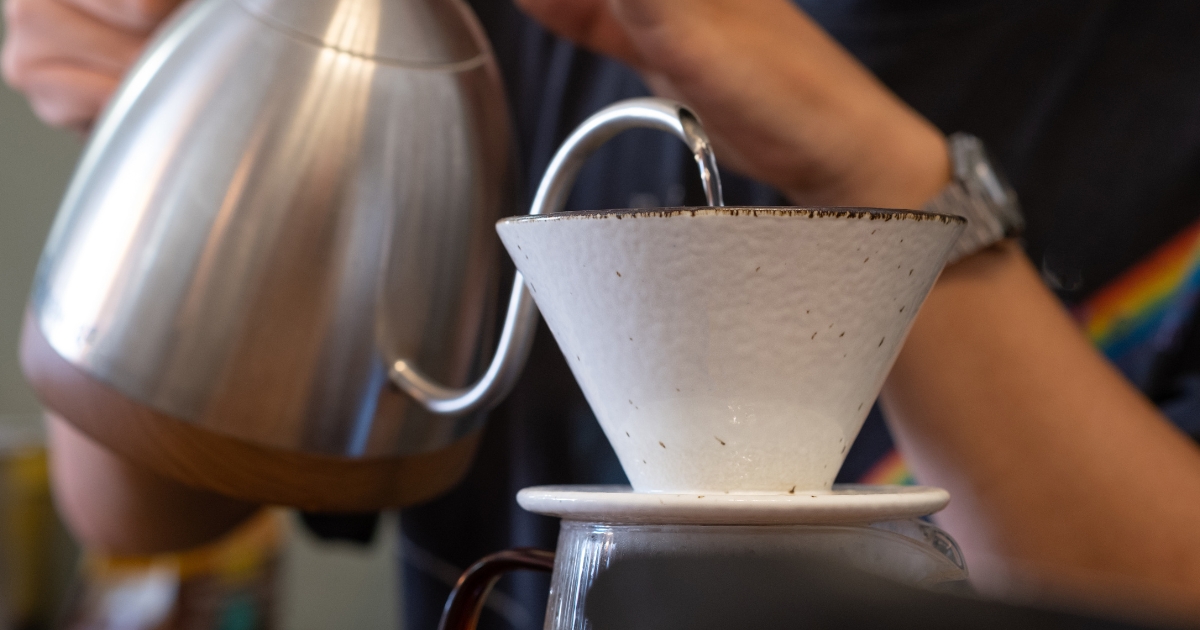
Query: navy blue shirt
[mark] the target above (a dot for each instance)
(1091, 108)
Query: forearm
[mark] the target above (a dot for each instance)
(1052, 458)
(113, 505)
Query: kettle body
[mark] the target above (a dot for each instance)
(283, 198)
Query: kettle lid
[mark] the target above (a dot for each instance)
(409, 32)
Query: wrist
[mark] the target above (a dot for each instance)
(895, 161)
(909, 169)
(921, 165)
(988, 263)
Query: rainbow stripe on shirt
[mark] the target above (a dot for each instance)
(1143, 309)
(1151, 300)
(889, 471)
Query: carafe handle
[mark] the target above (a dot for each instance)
(466, 600)
(516, 336)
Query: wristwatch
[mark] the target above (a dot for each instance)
(981, 195)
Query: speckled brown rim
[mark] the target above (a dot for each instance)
(820, 212)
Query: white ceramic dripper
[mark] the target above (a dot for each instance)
(732, 350)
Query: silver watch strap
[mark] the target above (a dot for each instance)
(979, 194)
(984, 228)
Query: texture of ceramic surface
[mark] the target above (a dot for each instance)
(730, 349)
(845, 504)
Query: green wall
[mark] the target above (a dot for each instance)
(35, 165)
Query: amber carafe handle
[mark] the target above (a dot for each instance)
(466, 600)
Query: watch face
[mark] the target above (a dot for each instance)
(973, 167)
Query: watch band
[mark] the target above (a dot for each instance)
(979, 194)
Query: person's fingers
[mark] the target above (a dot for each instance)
(589, 23)
(67, 62)
(40, 31)
(571, 19)
(69, 96)
(132, 16)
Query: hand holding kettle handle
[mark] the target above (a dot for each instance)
(516, 336)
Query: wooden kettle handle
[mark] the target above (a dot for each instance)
(235, 468)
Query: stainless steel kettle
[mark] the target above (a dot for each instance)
(282, 222)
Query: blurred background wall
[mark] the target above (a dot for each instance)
(35, 163)
(322, 585)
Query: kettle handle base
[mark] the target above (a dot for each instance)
(233, 467)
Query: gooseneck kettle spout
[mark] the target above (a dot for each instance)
(521, 318)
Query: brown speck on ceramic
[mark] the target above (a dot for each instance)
(910, 272)
(631, 338)
(806, 311)
(699, 496)
(872, 231)
(756, 269)
(676, 389)
(860, 406)
(813, 337)
(618, 274)
(866, 259)
(662, 445)
(866, 214)
(843, 334)
(792, 491)
(901, 309)
(843, 449)
(719, 440)
(881, 342)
